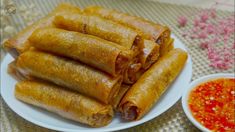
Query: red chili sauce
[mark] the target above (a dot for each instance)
(212, 104)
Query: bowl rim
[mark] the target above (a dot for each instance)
(192, 85)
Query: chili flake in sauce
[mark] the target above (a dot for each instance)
(212, 104)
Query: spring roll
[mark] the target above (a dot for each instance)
(168, 46)
(150, 54)
(100, 27)
(70, 74)
(115, 102)
(148, 30)
(141, 97)
(19, 43)
(171, 45)
(71, 105)
(99, 53)
(13, 71)
(130, 74)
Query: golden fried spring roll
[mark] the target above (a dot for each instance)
(13, 71)
(148, 89)
(171, 45)
(19, 43)
(150, 54)
(70, 74)
(94, 51)
(148, 29)
(168, 46)
(124, 88)
(100, 27)
(129, 76)
(140, 73)
(65, 103)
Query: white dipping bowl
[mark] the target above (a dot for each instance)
(191, 86)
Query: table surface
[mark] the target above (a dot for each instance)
(226, 5)
(172, 120)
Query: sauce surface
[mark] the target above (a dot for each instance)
(212, 104)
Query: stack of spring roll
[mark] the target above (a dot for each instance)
(86, 64)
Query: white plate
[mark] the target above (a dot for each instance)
(52, 121)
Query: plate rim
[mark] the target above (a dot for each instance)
(134, 123)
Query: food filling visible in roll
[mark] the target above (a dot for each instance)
(130, 74)
(141, 97)
(149, 54)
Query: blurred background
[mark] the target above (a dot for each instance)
(227, 5)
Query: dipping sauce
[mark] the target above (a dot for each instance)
(212, 104)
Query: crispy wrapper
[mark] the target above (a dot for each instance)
(140, 73)
(97, 26)
(149, 54)
(65, 103)
(19, 43)
(116, 100)
(130, 74)
(148, 30)
(94, 51)
(14, 72)
(168, 46)
(70, 74)
(141, 97)
(171, 46)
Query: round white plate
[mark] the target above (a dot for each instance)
(52, 121)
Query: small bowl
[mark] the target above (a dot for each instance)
(191, 86)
